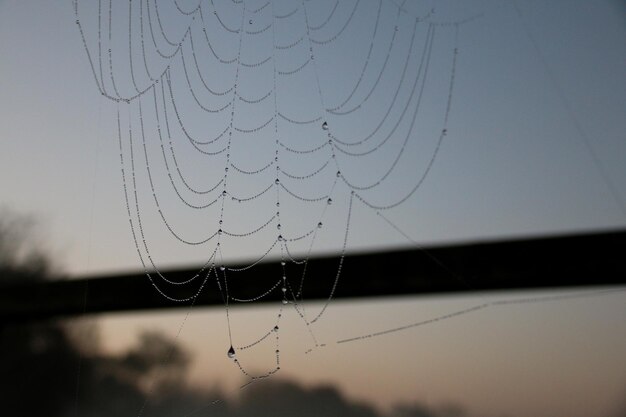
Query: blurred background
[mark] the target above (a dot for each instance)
(534, 146)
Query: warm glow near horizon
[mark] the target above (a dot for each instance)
(541, 359)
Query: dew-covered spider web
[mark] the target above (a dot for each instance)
(263, 125)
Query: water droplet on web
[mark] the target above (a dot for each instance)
(224, 193)
(277, 181)
(222, 268)
(284, 289)
(338, 174)
(285, 301)
(219, 232)
(319, 225)
(221, 221)
(231, 352)
(329, 201)
(275, 328)
(278, 225)
(282, 263)
(325, 126)
(280, 238)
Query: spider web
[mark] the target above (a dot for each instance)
(262, 125)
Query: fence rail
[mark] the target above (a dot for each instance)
(564, 261)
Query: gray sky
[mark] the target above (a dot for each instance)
(513, 162)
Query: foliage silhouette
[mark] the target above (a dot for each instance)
(46, 370)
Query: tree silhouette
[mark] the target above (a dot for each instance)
(46, 371)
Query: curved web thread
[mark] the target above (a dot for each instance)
(176, 102)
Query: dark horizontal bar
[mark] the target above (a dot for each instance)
(566, 261)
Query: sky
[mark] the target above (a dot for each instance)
(534, 145)
(513, 165)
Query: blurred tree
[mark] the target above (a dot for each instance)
(46, 370)
(21, 255)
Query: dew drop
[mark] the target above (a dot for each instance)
(280, 238)
(224, 193)
(275, 328)
(283, 263)
(329, 201)
(219, 232)
(338, 174)
(284, 290)
(285, 301)
(226, 169)
(222, 268)
(221, 221)
(276, 181)
(319, 225)
(278, 225)
(231, 352)
(325, 125)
